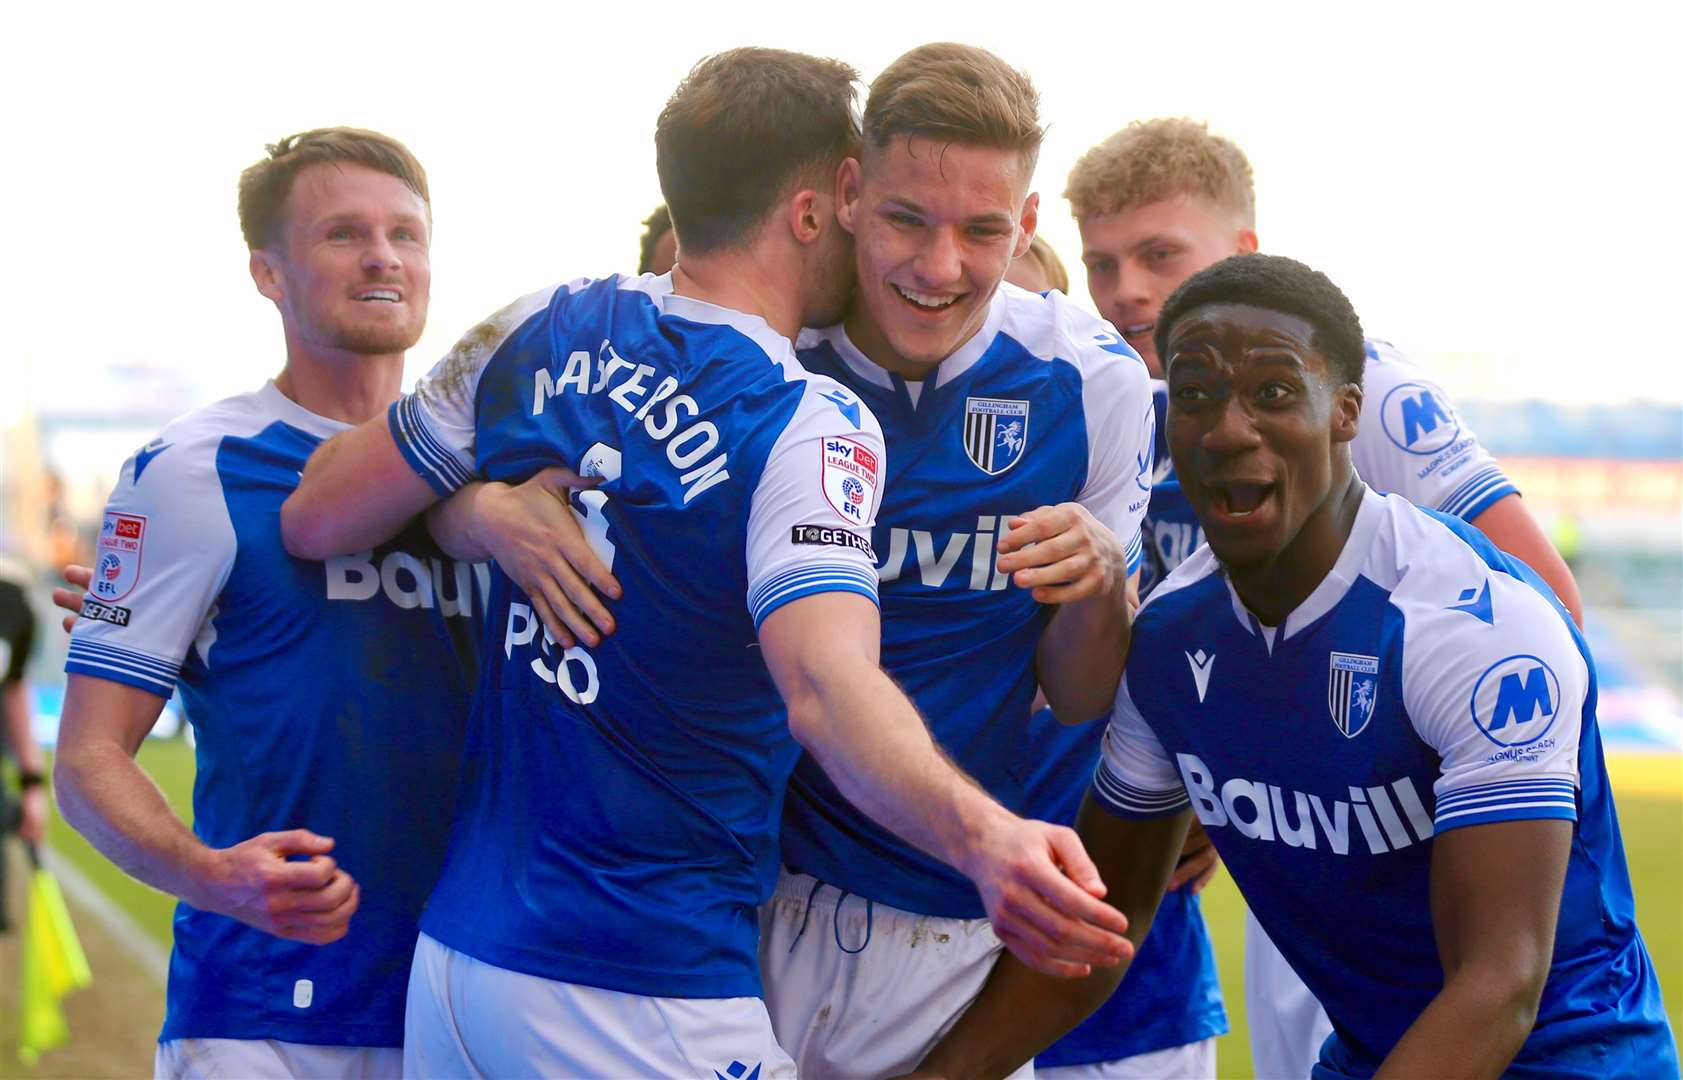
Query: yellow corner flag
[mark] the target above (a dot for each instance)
(53, 965)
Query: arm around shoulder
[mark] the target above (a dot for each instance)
(357, 491)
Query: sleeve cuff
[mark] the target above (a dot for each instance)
(1513, 800)
(1477, 493)
(808, 581)
(1125, 800)
(432, 461)
(126, 666)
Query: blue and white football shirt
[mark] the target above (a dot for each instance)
(1045, 404)
(1410, 442)
(620, 808)
(1429, 683)
(325, 696)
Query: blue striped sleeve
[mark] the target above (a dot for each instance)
(1136, 554)
(1508, 800)
(442, 469)
(113, 663)
(809, 580)
(1477, 493)
(1125, 800)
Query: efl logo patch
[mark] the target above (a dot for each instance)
(821, 534)
(117, 557)
(111, 613)
(995, 432)
(1352, 691)
(849, 478)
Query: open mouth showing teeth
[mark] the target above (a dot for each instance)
(925, 300)
(1239, 500)
(387, 296)
(1136, 329)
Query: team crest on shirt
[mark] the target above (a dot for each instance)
(850, 476)
(117, 557)
(995, 432)
(1352, 691)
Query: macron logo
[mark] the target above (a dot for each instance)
(1201, 665)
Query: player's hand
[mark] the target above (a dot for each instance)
(1043, 893)
(1063, 553)
(1198, 861)
(532, 532)
(32, 827)
(71, 599)
(259, 883)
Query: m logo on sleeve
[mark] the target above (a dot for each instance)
(1416, 421)
(1516, 700)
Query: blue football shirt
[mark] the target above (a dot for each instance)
(325, 696)
(1043, 405)
(619, 812)
(1429, 683)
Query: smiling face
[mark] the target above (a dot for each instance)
(935, 226)
(350, 269)
(1256, 426)
(1137, 256)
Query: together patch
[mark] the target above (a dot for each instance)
(823, 534)
(111, 613)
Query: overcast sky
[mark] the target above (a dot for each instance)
(1495, 188)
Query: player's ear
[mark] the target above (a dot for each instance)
(265, 272)
(847, 192)
(805, 208)
(1245, 242)
(1346, 412)
(1027, 222)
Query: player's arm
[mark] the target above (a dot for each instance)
(1073, 555)
(1020, 1012)
(357, 491)
(822, 651)
(1071, 559)
(361, 487)
(533, 534)
(1495, 895)
(1473, 683)
(1469, 484)
(1511, 527)
(282, 883)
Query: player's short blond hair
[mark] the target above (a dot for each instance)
(1057, 275)
(955, 93)
(1150, 160)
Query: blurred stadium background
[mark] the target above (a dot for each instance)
(1607, 480)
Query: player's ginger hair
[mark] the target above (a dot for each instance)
(1150, 160)
(955, 93)
(264, 187)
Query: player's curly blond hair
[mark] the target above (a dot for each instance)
(1158, 159)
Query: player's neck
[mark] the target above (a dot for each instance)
(742, 281)
(1274, 589)
(348, 387)
(867, 336)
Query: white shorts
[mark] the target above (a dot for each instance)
(1193, 1061)
(467, 1018)
(1287, 1024)
(268, 1059)
(858, 989)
